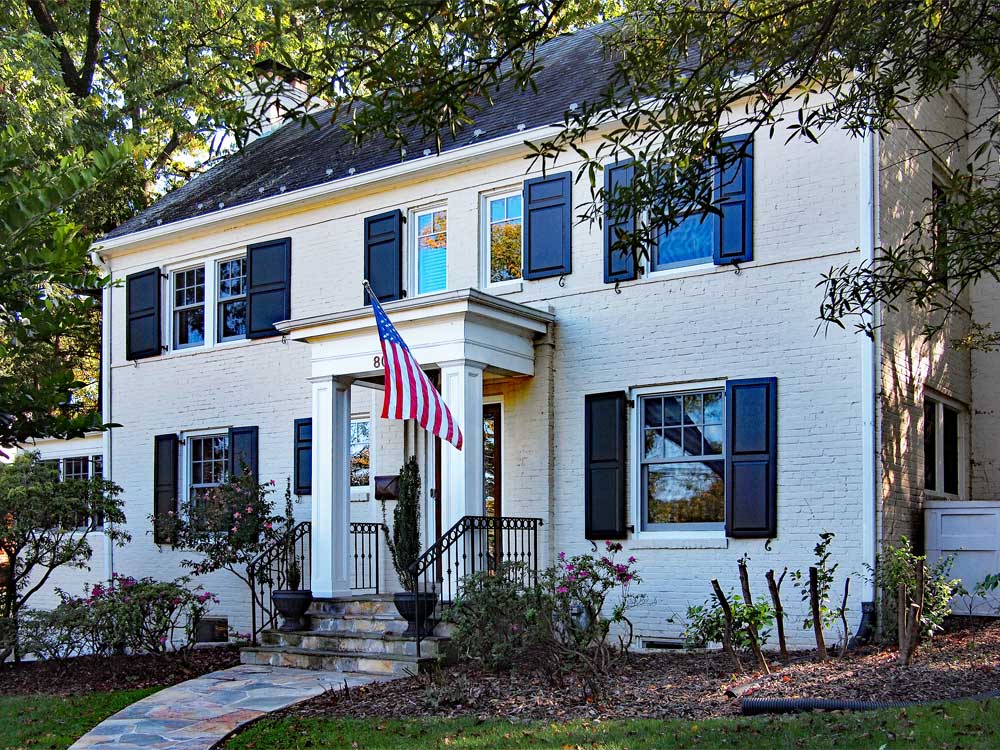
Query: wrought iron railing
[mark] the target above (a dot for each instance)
(475, 544)
(366, 546)
(269, 573)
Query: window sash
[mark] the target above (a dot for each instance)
(214, 455)
(228, 299)
(944, 448)
(512, 214)
(185, 281)
(430, 261)
(715, 419)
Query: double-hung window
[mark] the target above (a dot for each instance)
(503, 237)
(943, 449)
(207, 464)
(82, 468)
(189, 307)
(231, 318)
(431, 250)
(681, 460)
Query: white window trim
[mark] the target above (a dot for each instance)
(412, 272)
(678, 535)
(497, 287)
(963, 445)
(209, 316)
(184, 470)
(211, 265)
(362, 494)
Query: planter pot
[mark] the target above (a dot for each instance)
(292, 605)
(414, 608)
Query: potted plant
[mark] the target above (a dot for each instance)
(291, 602)
(416, 607)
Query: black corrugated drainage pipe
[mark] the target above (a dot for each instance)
(757, 706)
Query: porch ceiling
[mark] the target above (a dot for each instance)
(463, 324)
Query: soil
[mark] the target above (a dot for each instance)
(88, 674)
(680, 685)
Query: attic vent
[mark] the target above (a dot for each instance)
(662, 644)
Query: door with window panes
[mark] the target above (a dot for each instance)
(492, 485)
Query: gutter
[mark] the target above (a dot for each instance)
(868, 240)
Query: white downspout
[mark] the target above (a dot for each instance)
(106, 409)
(868, 241)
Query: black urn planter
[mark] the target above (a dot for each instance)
(292, 605)
(414, 608)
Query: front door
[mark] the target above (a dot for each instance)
(492, 487)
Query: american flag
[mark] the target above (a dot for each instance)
(409, 393)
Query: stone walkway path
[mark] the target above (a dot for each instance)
(199, 713)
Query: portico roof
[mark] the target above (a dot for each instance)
(463, 324)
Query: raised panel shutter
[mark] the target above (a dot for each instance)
(733, 230)
(618, 265)
(752, 458)
(384, 255)
(165, 465)
(605, 425)
(269, 287)
(143, 306)
(302, 456)
(548, 225)
(243, 451)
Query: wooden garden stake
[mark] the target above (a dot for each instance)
(779, 611)
(843, 617)
(751, 628)
(817, 622)
(727, 633)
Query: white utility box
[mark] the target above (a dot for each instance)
(969, 531)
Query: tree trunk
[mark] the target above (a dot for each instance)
(909, 616)
(843, 618)
(817, 622)
(779, 611)
(751, 628)
(727, 636)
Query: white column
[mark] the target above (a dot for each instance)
(331, 496)
(462, 470)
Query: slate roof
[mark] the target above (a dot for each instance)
(575, 69)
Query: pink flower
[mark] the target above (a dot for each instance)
(236, 514)
(562, 555)
(233, 529)
(631, 560)
(561, 590)
(249, 509)
(268, 525)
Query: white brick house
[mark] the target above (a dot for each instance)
(780, 432)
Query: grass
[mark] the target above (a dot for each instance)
(965, 724)
(48, 722)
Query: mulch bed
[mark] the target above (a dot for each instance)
(88, 674)
(679, 685)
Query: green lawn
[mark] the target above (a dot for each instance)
(50, 723)
(962, 724)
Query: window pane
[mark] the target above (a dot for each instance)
(672, 442)
(233, 320)
(671, 410)
(713, 408)
(930, 441)
(498, 209)
(685, 493)
(505, 251)
(713, 440)
(653, 411)
(232, 278)
(692, 408)
(688, 243)
(654, 445)
(189, 327)
(432, 252)
(950, 439)
(514, 207)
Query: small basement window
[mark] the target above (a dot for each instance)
(212, 630)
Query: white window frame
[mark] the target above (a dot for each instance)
(174, 309)
(363, 493)
(187, 454)
(217, 296)
(635, 395)
(411, 255)
(510, 285)
(211, 265)
(962, 449)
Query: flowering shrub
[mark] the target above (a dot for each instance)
(127, 616)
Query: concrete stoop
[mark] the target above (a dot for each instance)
(358, 634)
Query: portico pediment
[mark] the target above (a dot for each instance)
(464, 324)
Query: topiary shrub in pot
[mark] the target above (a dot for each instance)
(404, 546)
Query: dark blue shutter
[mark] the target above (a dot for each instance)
(618, 265)
(734, 196)
(548, 225)
(165, 465)
(302, 456)
(243, 451)
(384, 255)
(605, 427)
(143, 308)
(752, 458)
(269, 287)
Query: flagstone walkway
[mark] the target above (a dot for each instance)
(200, 713)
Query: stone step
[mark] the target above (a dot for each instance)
(371, 604)
(335, 661)
(368, 644)
(375, 623)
